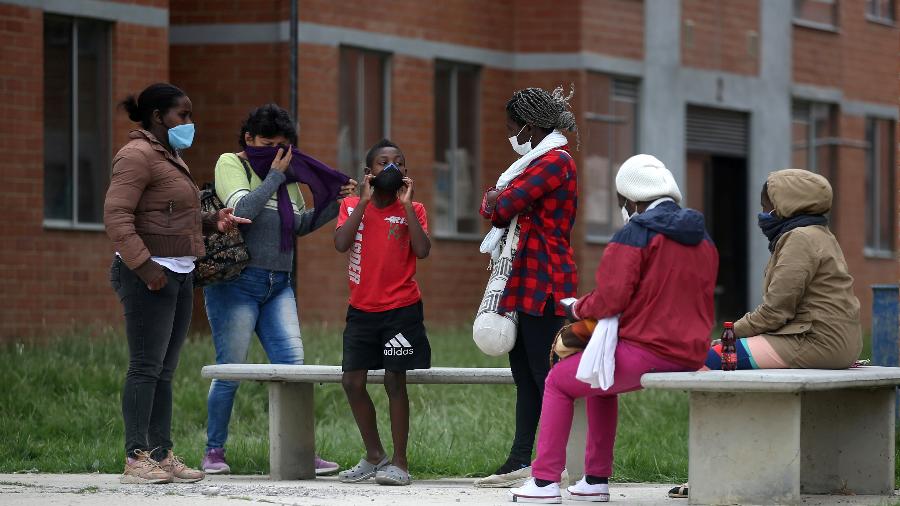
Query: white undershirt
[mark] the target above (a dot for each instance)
(180, 265)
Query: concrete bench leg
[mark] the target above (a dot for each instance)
(744, 449)
(577, 438)
(847, 441)
(292, 434)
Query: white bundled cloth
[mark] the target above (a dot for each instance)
(491, 242)
(598, 361)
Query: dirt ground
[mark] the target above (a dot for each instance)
(105, 490)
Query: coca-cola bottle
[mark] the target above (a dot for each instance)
(729, 351)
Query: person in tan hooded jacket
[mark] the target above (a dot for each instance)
(809, 317)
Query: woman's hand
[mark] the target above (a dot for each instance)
(226, 220)
(158, 283)
(348, 189)
(282, 159)
(491, 199)
(406, 192)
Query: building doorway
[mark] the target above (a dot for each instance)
(717, 183)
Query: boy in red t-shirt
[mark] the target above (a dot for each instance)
(385, 232)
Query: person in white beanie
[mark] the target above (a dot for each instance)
(657, 274)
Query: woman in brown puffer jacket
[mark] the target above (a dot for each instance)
(809, 317)
(152, 215)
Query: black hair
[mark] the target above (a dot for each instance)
(378, 146)
(268, 121)
(159, 96)
(549, 111)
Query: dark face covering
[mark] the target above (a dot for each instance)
(774, 227)
(324, 182)
(389, 180)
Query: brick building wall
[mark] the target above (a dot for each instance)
(58, 278)
(55, 280)
(721, 35)
(859, 59)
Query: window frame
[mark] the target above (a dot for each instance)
(818, 25)
(360, 111)
(879, 17)
(75, 223)
(454, 67)
(874, 207)
(612, 119)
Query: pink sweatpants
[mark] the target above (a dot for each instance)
(560, 391)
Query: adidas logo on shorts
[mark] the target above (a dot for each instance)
(398, 346)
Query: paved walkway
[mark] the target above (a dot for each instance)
(105, 490)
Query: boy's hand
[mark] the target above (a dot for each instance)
(348, 189)
(367, 189)
(406, 192)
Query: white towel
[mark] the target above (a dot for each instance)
(598, 362)
(552, 141)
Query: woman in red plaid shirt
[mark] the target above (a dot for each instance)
(543, 194)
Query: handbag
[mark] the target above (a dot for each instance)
(571, 339)
(495, 333)
(226, 253)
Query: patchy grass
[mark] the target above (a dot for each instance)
(62, 413)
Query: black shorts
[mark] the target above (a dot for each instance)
(394, 340)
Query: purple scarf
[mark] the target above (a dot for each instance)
(324, 182)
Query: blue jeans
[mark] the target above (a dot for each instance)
(259, 300)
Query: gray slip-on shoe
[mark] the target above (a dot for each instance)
(392, 475)
(362, 471)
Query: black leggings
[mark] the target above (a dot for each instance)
(156, 324)
(530, 364)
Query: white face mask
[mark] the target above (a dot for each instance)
(520, 149)
(625, 216)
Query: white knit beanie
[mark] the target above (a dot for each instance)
(643, 178)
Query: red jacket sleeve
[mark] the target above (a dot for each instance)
(617, 278)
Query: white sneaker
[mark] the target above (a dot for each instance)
(531, 493)
(583, 491)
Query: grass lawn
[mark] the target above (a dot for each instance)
(61, 412)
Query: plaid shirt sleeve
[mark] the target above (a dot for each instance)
(544, 175)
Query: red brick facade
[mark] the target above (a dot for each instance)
(55, 280)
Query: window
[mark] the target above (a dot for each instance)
(611, 138)
(76, 121)
(880, 189)
(457, 182)
(816, 13)
(815, 140)
(881, 10)
(364, 109)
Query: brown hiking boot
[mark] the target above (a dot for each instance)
(179, 471)
(141, 469)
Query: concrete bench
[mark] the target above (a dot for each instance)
(292, 407)
(765, 437)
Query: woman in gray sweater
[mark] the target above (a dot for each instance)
(261, 298)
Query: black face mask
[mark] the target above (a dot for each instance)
(390, 179)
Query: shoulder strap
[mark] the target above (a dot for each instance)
(246, 165)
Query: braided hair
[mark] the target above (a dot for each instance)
(550, 111)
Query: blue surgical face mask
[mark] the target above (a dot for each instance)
(181, 136)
